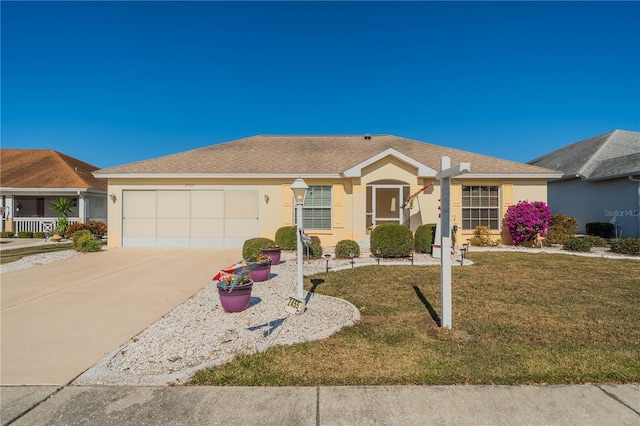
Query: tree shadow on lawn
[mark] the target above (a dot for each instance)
(427, 305)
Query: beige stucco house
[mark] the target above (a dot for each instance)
(221, 195)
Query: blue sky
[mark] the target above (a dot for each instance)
(112, 83)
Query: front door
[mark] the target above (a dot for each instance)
(384, 205)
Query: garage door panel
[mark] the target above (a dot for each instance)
(140, 204)
(173, 204)
(141, 242)
(174, 227)
(172, 242)
(142, 227)
(241, 204)
(207, 228)
(207, 204)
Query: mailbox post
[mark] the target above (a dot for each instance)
(445, 175)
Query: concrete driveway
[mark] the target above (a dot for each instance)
(59, 319)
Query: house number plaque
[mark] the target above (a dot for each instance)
(294, 305)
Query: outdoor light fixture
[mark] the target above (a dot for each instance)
(112, 196)
(299, 188)
(266, 198)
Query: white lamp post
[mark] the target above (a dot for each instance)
(299, 188)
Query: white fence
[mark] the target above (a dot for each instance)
(39, 224)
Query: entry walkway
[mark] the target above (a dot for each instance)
(61, 318)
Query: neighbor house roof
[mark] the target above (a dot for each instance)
(607, 156)
(308, 156)
(45, 168)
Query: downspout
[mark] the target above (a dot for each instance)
(638, 209)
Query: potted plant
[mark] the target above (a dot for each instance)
(61, 227)
(234, 288)
(259, 267)
(273, 251)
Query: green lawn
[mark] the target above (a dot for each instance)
(518, 318)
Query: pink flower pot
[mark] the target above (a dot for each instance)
(273, 254)
(237, 299)
(259, 271)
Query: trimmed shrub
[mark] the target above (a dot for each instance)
(97, 228)
(345, 247)
(561, 229)
(315, 251)
(251, 247)
(25, 234)
(626, 246)
(392, 239)
(86, 242)
(40, 235)
(577, 244)
(526, 221)
(596, 241)
(6, 234)
(601, 229)
(482, 238)
(423, 238)
(286, 237)
(79, 234)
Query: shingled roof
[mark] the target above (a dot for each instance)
(607, 156)
(45, 168)
(269, 155)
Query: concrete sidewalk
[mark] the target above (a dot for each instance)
(61, 318)
(399, 405)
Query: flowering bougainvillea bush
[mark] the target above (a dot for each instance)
(526, 221)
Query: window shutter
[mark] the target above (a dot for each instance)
(455, 196)
(507, 196)
(287, 206)
(338, 205)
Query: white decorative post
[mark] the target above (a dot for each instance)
(299, 188)
(445, 175)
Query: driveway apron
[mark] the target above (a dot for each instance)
(59, 319)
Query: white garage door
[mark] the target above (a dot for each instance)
(189, 218)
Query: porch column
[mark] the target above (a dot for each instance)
(82, 213)
(9, 205)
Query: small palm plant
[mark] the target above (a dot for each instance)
(63, 206)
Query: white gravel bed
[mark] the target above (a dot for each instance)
(38, 259)
(199, 333)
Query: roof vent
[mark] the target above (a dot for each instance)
(367, 136)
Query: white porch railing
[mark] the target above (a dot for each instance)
(39, 224)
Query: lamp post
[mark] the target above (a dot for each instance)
(299, 188)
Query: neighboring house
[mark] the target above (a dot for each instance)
(30, 179)
(221, 195)
(600, 181)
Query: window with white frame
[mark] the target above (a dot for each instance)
(316, 211)
(480, 207)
